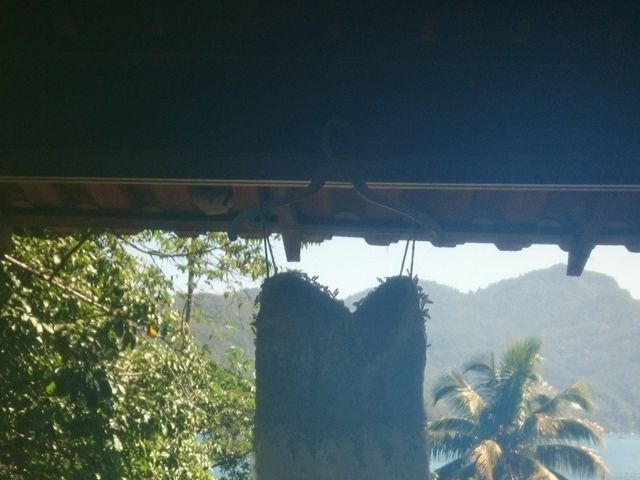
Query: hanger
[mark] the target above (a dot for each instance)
(335, 169)
(419, 220)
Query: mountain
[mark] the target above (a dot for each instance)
(590, 330)
(222, 323)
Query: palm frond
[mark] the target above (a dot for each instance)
(532, 430)
(558, 475)
(516, 375)
(517, 465)
(457, 425)
(458, 395)
(539, 428)
(579, 430)
(521, 356)
(508, 407)
(482, 374)
(576, 395)
(457, 469)
(485, 457)
(540, 398)
(482, 366)
(446, 445)
(580, 460)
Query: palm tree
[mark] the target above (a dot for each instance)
(507, 424)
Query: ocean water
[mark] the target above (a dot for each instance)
(622, 454)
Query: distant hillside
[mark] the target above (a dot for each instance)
(589, 326)
(223, 323)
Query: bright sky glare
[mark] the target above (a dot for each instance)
(350, 265)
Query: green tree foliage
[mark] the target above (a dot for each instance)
(507, 423)
(97, 376)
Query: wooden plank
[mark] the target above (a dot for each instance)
(140, 198)
(452, 233)
(12, 195)
(42, 194)
(108, 196)
(76, 195)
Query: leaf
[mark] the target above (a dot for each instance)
(117, 444)
(454, 390)
(581, 460)
(485, 457)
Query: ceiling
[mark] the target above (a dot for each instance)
(511, 218)
(472, 121)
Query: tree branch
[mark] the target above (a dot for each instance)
(48, 278)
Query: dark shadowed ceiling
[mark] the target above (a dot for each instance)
(492, 122)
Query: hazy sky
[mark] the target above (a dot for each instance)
(351, 265)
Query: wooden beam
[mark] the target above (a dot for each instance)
(634, 247)
(292, 245)
(6, 243)
(453, 234)
(598, 211)
(578, 259)
(292, 241)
